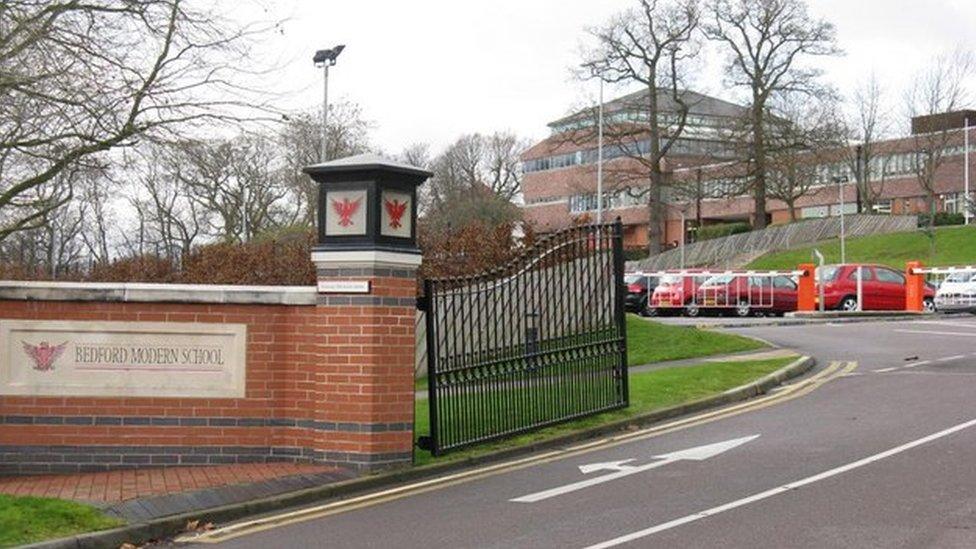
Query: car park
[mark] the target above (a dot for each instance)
(957, 293)
(882, 288)
(746, 295)
(639, 287)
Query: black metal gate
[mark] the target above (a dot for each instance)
(539, 341)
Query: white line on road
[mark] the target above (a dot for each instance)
(928, 332)
(946, 323)
(912, 365)
(950, 358)
(780, 489)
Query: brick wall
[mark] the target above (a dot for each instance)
(328, 382)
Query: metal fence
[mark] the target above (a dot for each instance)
(539, 341)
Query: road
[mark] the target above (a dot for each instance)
(881, 455)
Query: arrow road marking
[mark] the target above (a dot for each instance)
(621, 470)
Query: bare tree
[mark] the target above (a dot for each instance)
(807, 134)
(867, 124)
(348, 134)
(81, 78)
(940, 88)
(767, 41)
(649, 46)
(477, 161)
(239, 182)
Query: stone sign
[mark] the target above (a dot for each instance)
(143, 359)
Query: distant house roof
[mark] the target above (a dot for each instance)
(698, 103)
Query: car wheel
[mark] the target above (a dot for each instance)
(743, 309)
(692, 310)
(649, 311)
(928, 305)
(848, 304)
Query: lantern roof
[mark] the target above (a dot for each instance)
(367, 161)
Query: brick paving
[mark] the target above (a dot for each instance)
(123, 485)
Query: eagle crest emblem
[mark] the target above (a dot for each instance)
(346, 209)
(44, 354)
(395, 209)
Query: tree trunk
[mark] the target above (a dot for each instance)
(759, 157)
(654, 205)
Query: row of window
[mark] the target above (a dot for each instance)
(696, 122)
(611, 200)
(716, 149)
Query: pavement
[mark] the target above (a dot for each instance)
(874, 450)
(144, 494)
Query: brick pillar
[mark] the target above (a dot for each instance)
(368, 356)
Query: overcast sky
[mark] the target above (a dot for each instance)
(431, 70)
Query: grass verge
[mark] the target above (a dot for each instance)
(30, 519)
(649, 342)
(649, 391)
(953, 246)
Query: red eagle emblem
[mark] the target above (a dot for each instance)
(395, 209)
(346, 209)
(44, 354)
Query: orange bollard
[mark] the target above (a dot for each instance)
(807, 293)
(914, 287)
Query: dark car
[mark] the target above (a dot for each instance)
(639, 287)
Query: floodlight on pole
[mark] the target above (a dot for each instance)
(843, 236)
(326, 59)
(966, 203)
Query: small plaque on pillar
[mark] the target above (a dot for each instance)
(343, 286)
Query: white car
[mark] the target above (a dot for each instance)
(957, 292)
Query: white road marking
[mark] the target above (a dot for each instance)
(928, 332)
(912, 365)
(950, 358)
(780, 489)
(916, 364)
(699, 453)
(884, 370)
(947, 323)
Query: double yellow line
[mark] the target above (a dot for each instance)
(785, 393)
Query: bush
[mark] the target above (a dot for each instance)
(709, 232)
(942, 219)
(635, 254)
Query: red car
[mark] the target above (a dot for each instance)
(676, 292)
(883, 288)
(746, 295)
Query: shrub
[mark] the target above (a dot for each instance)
(709, 232)
(942, 219)
(635, 254)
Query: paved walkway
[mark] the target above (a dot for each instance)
(139, 494)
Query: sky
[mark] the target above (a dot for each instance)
(428, 71)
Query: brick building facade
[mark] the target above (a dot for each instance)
(560, 176)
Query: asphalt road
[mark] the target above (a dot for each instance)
(883, 455)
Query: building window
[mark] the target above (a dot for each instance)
(882, 207)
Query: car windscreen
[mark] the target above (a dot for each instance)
(719, 280)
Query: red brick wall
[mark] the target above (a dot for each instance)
(329, 383)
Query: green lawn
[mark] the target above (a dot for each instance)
(29, 519)
(953, 246)
(648, 391)
(649, 342)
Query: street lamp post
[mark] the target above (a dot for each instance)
(599, 160)
(966, 204)
(843, 235)
(684, 232)
(326, 59)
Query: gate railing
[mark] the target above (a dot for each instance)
(537, 342)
